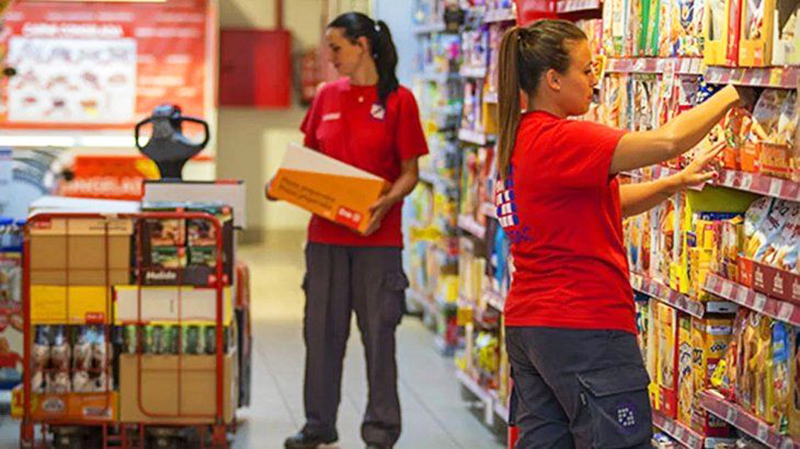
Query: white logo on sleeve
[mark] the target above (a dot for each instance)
(378, 112)
(331, 117)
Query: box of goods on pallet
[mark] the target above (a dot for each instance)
(133, 304)
(71, 407)
(178, 389)
(61, 304)
(80, 251)
(183, 251)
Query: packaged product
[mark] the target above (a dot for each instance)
(787, 123)
(666, 47)
(687, 27)
(756, 214)
(101, 383)
(168, 257)
(782, 374)
(59, 382)
(686, 384)
(192, 340)
(82, 350)
(101, 352)
(785, 243)
(41, 347)
(130, 339)
(668, 359)
(787, 47)
(767, 114)
(38, 384)
(81, 382)
(746, 382)
(794, 404)
(166, 232)
(60, 350)
(759, 244)
(711, 338)
(761, 365)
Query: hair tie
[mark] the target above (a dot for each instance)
(377, 27)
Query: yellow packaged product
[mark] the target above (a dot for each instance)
(686, 385)
(711, 338)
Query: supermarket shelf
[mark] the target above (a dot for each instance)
(747, 297)
(760, 184)
(430, 28)
(777, 77)
(422, 300)
(500, 408)
(472, 72)
(666, 295)
(491, 97)
(746, 422)
(682, 66)
(470, 136)
(567, 6)
(468, 224)
(482, 394)
(746, 182)
(499, 15)
(494, 299)
(678, 431)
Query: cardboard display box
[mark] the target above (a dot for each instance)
(56, 304)
(171, 304)
(74, 407)
(165, 254)
(168, 392)
(327, 187)
(80, 251)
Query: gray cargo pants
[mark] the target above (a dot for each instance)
(578, 389)
(340, 279)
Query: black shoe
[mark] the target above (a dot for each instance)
(302, 440)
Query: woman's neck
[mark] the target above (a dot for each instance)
(545, 104)
(366, 74)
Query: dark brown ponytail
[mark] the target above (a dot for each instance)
(527, 53)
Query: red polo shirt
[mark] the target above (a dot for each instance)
(347, 123)
(561, 210)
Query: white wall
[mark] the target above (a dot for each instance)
(251, 142)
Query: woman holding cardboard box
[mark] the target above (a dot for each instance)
(369, 121)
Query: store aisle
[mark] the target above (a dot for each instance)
(435, 414)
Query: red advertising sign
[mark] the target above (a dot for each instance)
(103, 65)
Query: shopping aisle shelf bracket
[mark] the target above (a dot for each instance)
(747, 297)
(678, 431)
(746, 422)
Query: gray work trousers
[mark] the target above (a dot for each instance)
(371, 282)
(582, 389)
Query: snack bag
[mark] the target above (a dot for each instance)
(756, 214)
(81, 383)
(41, 347)
(59, 383)
(767, 114)
(686, 384)
(746, 363)
(687, 27)
(787, 123)
(82, 351)
(769, 230)
(38, 384)
(60, 350)
(787, 240)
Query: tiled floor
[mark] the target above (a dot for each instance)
(435, 414)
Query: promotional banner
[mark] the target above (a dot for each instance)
(102, 65)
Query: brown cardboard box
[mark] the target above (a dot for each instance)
(75, 407)
(170, 395)
(171, 304)
(80, 251)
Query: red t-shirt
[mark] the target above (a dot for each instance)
(347, 123)
(561, 211)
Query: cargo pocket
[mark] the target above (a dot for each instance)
(616, 402)
(395, 285)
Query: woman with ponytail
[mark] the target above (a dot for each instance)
(368, 120)
(579, 379)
